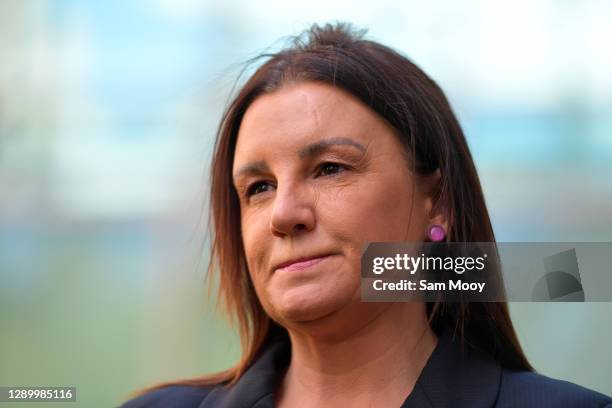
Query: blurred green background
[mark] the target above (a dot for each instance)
(107, 119)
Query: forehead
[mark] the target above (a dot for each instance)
(302, 113)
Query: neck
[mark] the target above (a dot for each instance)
(379, 361)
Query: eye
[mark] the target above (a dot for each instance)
(330, 168)
(257, 187)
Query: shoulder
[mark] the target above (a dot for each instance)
(524, 388)
(178, 396)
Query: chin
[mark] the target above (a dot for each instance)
(324, 318)
(300, 308)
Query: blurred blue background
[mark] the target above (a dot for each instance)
(108, 112)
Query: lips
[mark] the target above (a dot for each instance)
(300, 263)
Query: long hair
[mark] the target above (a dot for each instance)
(413, 104)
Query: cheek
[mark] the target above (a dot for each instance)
(255, 251)
(378, 209)
(254, 226)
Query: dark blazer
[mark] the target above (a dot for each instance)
(451, 378)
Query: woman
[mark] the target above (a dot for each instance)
(334, 142)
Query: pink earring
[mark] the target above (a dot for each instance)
(436, 233)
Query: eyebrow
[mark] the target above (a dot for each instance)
(313, 149)
(258, 167)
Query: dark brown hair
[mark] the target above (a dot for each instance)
(414, 105)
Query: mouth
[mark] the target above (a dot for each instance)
(300, 263)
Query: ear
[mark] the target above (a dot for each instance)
(434, 208)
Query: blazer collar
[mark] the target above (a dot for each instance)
(256, 387)
(456, 377)
(451, 378)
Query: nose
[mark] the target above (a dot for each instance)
(293, 211)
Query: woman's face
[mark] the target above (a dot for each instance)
(319, 174)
